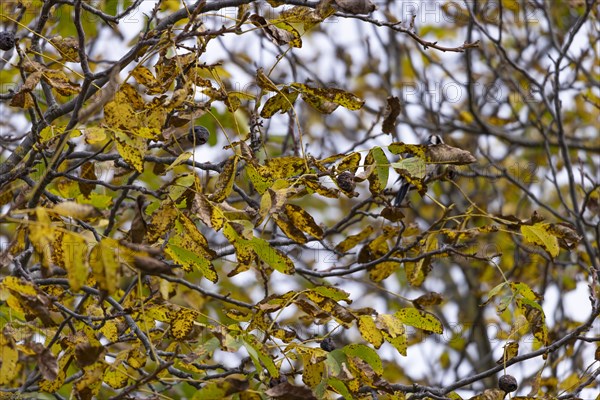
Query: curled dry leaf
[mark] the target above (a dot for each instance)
(75, 210)
(445, 154)
(152, 266)
(47, 362)
(280, 36)
(355, 6)
(67, 47)
(288, 391)
(390, 114)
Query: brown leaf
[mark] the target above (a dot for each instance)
(392, 214)
(278, 35)
(60, 82)
(355, 6)
(86, 354)
(47, 362)
(67, 47)
(288, 391)
(88, 171)
(390, 114)
(445, 154)
(428, 299)
(138, 225)
(152, 266)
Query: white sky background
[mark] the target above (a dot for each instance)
(353, 35)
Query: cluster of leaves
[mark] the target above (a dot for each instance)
(125, 257)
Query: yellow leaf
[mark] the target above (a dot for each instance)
(19, 285)
(511, 349)
(303, 220)
(41, 235)
(337, 96)
(181, 158)
(349, 163)
(9, 368)
(256, 175)
(95, 134)
(369, 331)
(417, 272)
(74, 256)
(162, 220)
(303, 15)
(313, 373)
(89, 384)
(541, 235)
(351, 241)
(119, 113)
(224, 184)
(393, 331)
(182, 322)
(116, 375)
(288, 227)
(132, 149)
(104, 264)
(284, 167)
(535, 316)
(420, 319)
(144, 77)
(282, 102)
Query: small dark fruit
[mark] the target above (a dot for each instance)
(508, 383)
(7, 40)
(198, 135)
(327, 344)
(345, 181)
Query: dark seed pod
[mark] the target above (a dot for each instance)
(345, 181)
(508, 383)
(198, 135)
(327, 344)
(7, 40)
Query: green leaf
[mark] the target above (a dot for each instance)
(259, 355)
(190, 260)
(379, 172)
(272, 256)
(333, 293)
(366, 354)
(340, 387)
